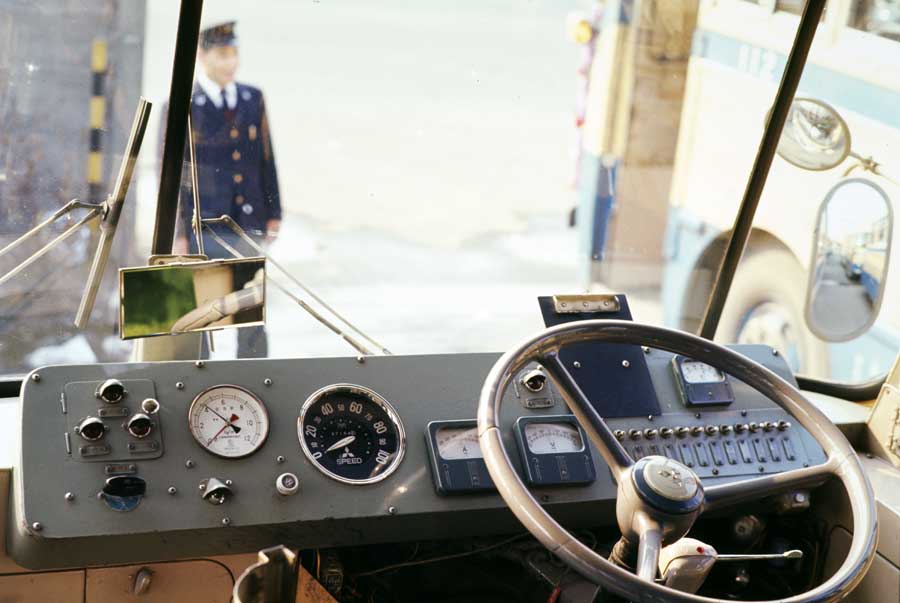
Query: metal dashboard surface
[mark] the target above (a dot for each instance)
(47, 529)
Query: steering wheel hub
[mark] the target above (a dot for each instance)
(667, 484)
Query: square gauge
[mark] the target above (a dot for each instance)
(701, 384)
(457, 464)
(554, 451)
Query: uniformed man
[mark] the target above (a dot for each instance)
(235, 164)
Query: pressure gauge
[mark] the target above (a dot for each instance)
(454, 443)
(228, 421)
(700, 383)
(552, 438)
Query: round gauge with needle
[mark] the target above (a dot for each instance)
(553, 438)
(228, 421)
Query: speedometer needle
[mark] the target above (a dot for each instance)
(342, 442)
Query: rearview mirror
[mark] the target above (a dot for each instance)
(815, 136)
(851, 248)
(197, 296)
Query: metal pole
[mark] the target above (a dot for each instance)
(176, 124)
(740, 233)
(195, 189)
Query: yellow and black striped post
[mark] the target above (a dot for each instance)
(97, 120)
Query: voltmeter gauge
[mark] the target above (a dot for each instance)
(700, 383)
(457, 463)
(228, 421)
(552, 438)
(553, 451)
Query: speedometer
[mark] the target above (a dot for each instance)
(351, 434)
(228, 421)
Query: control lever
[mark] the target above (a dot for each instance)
(272, 579)
(214, 491)
(685, 564)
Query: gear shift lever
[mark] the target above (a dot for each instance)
(685, 564)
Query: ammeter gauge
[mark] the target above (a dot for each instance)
(228, 421)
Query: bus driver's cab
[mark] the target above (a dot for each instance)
(592, 455)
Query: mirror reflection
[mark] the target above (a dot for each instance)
(850, 254)
(815, 136)
(199, 296)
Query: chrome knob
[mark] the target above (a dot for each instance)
(696, 430)
(620, 435)
(666, 432)
(111, 391)
(650, 433)
(634, 434)
(712, 429)
(754, 426)
(726, 428)
(682, 432)
(741, 427)
(214, 491)
(768, 425)
(534, 380)
(782, 425)
(140, 425)
(91, 429)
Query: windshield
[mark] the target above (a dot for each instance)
(428, 172)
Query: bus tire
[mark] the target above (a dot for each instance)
(766, 305)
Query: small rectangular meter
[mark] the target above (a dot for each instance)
(554, 451)
(457, 464)
(701, 384)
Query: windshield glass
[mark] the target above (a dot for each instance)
(428, 172)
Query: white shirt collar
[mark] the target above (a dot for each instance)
(214, 93)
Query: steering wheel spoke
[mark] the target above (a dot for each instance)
(729, 494)
(649, 546)
(599, 432)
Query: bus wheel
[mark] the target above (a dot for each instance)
(765, 306)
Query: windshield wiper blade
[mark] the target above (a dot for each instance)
(228, 221)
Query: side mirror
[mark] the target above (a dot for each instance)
(851, 248)
(815, 136)
(199, 296)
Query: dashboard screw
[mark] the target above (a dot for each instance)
(199, 364)
(69, 497)
(626, 364)
(361, 359)
(226, 521)
(172, 490)
(37, 526)
(179, 385)
(576, 364)
(279, 459)
(761, 468)
(743, 413)
(267, 382)
(645, 349)
(36, 377)
(228, 482)
(189, 464)
(774, 352)
(392, 510)
(715, 472)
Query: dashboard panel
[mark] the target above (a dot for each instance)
(156, 484)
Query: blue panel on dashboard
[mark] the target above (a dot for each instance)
(614, 377)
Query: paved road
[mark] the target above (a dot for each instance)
(839, 304)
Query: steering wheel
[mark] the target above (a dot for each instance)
(658, 499)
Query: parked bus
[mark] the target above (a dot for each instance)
(738, 52)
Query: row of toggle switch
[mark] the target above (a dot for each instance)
(651, 433)
(725, 452)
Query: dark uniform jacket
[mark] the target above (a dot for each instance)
(235, 163)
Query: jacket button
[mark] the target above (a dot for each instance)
(236, 155)
(239, 199)
(238, 178)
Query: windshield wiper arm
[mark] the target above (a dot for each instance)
(309, 309)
